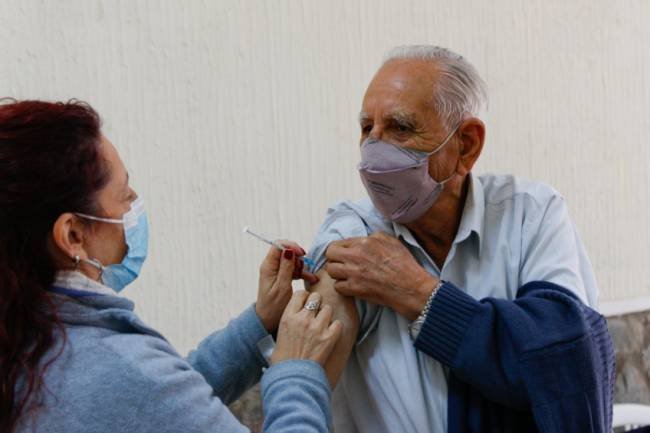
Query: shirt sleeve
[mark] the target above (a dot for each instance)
(552, 251)
(296, 398)
(230, 359)
(343, 223)
(339, 224)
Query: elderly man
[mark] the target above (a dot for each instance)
(472, 292)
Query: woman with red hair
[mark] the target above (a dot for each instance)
(73, 355)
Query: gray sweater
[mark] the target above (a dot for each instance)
(115, 374)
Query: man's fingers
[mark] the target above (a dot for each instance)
(381, 235)
(344, 288)
(338, 271)
(346, 243)
(338, 253)
(297, 301)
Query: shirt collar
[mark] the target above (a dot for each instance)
(74, 280)
(471, 221)
(473, 213)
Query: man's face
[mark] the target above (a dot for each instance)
(397, 108)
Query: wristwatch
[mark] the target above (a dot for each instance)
(416, 325)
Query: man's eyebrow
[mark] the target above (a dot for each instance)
(402, 118)
(363, 117)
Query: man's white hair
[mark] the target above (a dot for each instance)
(459, 90)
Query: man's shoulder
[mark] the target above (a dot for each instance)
(358, 214)
(506, 189)
(362, 207)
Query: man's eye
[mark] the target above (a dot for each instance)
(403, 128)
(365, 129)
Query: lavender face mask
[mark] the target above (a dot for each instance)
(397, 179)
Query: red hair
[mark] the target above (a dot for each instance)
(50, 163)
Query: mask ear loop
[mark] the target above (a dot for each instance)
(441, 145)
(92, 262)
(451, 134)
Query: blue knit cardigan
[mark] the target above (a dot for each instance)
(541, 363)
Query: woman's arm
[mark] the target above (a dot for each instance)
(296, 398)
(230, 360)
(175, 398)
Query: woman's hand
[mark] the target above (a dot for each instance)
(277, 271)
(306, 334)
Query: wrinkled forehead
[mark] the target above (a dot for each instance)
(402, 86)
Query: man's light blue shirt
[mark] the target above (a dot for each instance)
(512, 231)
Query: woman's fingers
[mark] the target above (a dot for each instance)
(297, 301)
(335, 330)
(324, 316)
(287, 265)
(306, 332)
(271, 262)
(299, 265)
(309, 277)
(293, 245)
(313, 304)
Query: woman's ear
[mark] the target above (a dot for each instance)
(68, 235)
(472, 135)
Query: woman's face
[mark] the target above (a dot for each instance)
(105, 241)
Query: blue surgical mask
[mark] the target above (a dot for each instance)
(136, 234)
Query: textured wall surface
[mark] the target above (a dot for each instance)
(233, 113)
(632, 342)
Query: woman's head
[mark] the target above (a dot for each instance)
(54, 162)
(75, 236)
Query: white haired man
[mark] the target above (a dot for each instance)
(474, 294)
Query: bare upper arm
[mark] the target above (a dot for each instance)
(345, 311)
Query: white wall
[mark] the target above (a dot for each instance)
(233, 113)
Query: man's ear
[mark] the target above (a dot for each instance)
(68, 235)
(472, 136)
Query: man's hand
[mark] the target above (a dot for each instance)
(381, 270)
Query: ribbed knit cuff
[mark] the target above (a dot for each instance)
(443, 330)
(293, 369)
(252, 331)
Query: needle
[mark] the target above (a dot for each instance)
(309, 262)
(263, 239)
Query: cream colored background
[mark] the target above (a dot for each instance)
(233, 113)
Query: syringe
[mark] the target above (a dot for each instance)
(309, 262)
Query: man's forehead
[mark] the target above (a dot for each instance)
(406, 75)
(402, 86)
